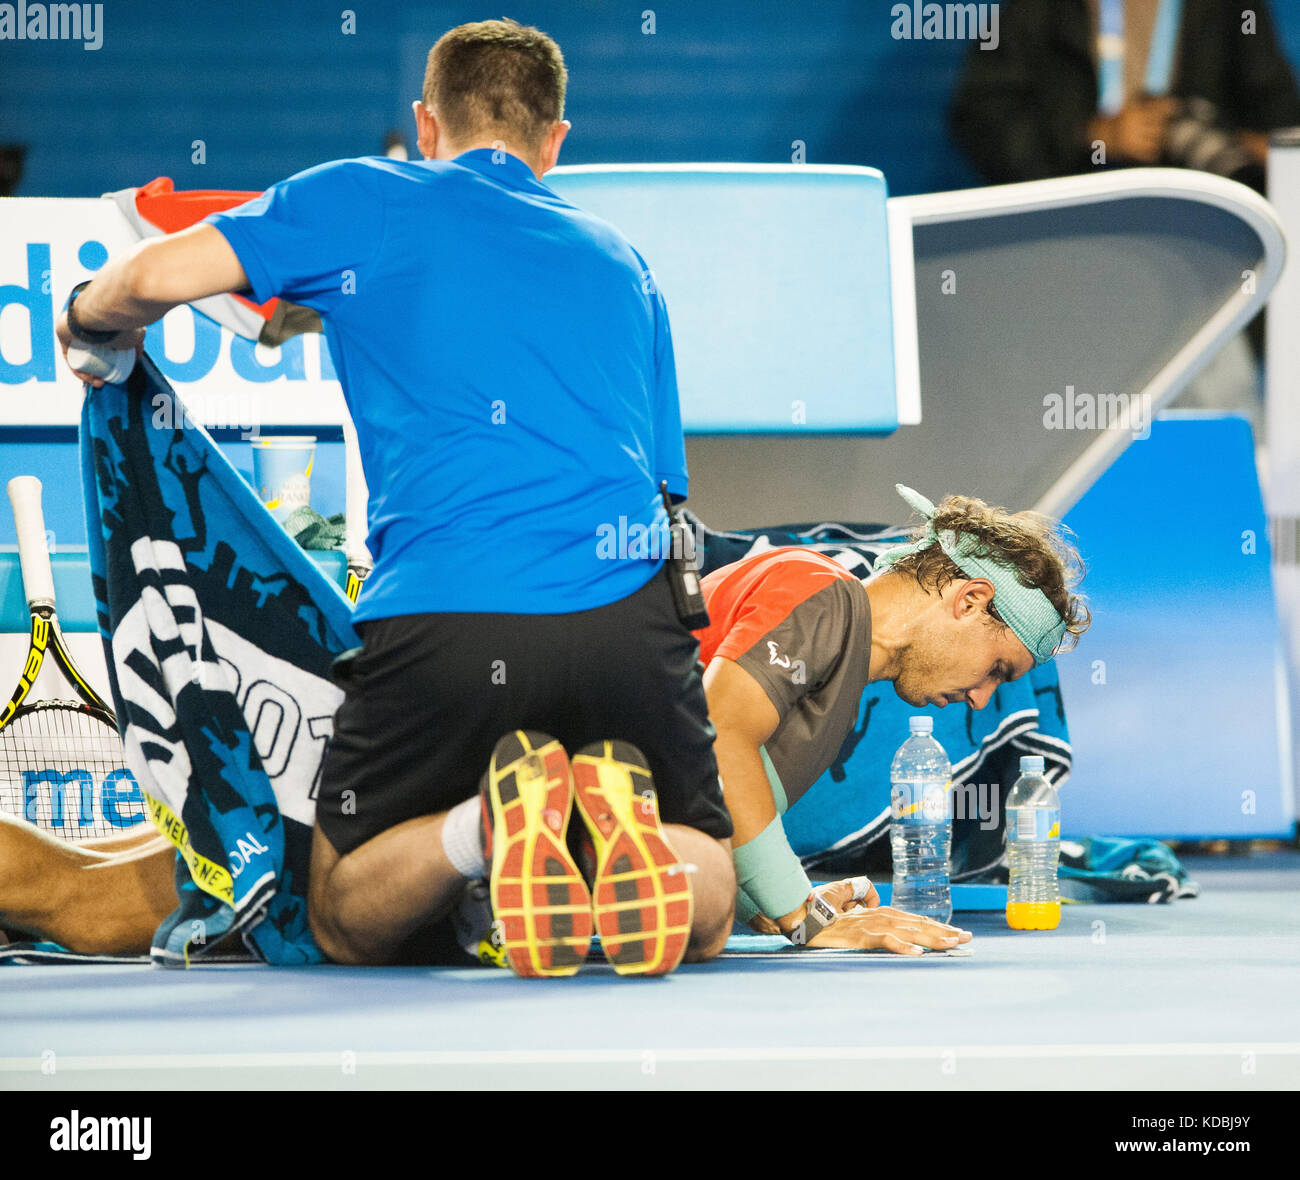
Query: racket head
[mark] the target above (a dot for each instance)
(37, 646)
(62, 769)
(63, 658)
(62, 764)
(38, 586)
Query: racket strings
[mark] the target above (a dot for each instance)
(62, 768)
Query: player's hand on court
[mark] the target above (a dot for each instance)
(885, 928)
(847, 896)
(842, 895)
(132, 340)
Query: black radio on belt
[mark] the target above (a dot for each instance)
(683, 575)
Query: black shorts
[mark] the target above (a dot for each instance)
(428, 696)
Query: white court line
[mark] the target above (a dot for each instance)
(497, 1057)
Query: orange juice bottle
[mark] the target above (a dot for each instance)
(1034, 849)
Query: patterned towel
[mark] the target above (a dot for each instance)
(219, 633)
(1109, 868)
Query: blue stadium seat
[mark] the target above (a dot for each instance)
(1173, 695)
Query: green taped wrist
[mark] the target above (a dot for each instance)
(770, 873)
(746, 910)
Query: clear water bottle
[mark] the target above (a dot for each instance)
(1034, 848)
(920, 830)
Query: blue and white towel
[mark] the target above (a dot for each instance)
(219, 634)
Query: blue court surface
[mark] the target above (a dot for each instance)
(1199, 995)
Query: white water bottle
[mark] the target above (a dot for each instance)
(920, 829)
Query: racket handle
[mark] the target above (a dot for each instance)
(33, 553)
(356, 502)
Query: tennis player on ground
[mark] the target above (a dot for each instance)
(975, 601)
(509, 366)
(794, 640)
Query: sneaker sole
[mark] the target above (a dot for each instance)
(539, 899)
(641, 896)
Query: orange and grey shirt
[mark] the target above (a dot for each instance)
(800, 625)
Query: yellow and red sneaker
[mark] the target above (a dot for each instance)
(540, 903)
(641, 895)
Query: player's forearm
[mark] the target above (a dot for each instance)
(744, 785)
(119, 296)
(146, 282)
(768, 873)
(749, 798)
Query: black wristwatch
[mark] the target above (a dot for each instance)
(820, 915)
(78, 329)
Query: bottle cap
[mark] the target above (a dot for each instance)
(1028, 764)
(921, 724)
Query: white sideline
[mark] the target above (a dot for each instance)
(497, 1057)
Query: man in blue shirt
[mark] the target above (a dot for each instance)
(508, 363)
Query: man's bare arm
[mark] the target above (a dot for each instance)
(146, 282)
(154, 276)
(744, 718)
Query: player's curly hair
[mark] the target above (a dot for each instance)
(1037, 547)
(496, 78)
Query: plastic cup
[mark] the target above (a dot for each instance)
(282, 466)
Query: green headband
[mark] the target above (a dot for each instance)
(1026, 610)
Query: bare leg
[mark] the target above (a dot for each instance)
(713, 885)
(88, 901)
(364, 905)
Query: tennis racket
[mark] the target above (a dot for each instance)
(61, 759)
(359, 560)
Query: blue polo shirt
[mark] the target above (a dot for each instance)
(507, 360)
